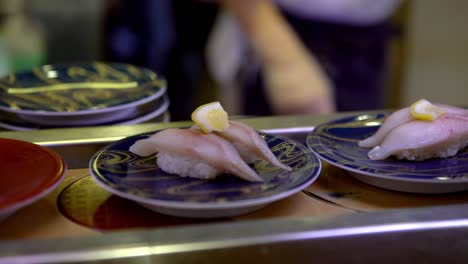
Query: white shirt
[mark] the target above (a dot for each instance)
(359, 12)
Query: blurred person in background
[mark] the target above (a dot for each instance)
(301, 56)
(266, 57)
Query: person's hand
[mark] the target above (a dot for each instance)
(298, 89)
(295, 82)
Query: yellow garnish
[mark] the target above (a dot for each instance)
(425, 110)
(210, 117)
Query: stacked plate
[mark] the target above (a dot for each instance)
(88, 94)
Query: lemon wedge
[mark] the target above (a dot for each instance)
(425, 110)
(210, 117)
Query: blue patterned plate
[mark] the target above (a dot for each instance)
(158, 114)
(139, 179)
(336, 143)
(74, 93)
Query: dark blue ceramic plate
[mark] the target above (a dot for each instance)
(158, 114)
(336, 143)
(136, 178)
(78, 89)
(79, 94)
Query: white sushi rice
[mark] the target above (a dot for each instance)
(438, 151)
(186, 166)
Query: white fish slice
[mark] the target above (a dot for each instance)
(420, 140)
(396, 119)
(188, 152)
(401, 117)
(250, 144)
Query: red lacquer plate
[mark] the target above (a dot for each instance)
(28, 172)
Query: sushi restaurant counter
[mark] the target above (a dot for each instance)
(79, 208)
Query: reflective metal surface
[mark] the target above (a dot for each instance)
(430, 235)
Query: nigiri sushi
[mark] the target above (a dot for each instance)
(405, 137)
(192, 153)
(249, 143)
(420, 140)
(401, 117)
(396, 119)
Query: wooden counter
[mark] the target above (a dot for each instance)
(44, 219)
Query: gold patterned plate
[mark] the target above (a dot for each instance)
(79, 94)
(159, 115)
(139, 179)
(336, 143)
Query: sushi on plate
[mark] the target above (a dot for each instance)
(420, 132)
(192, 153)
(212, 147)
